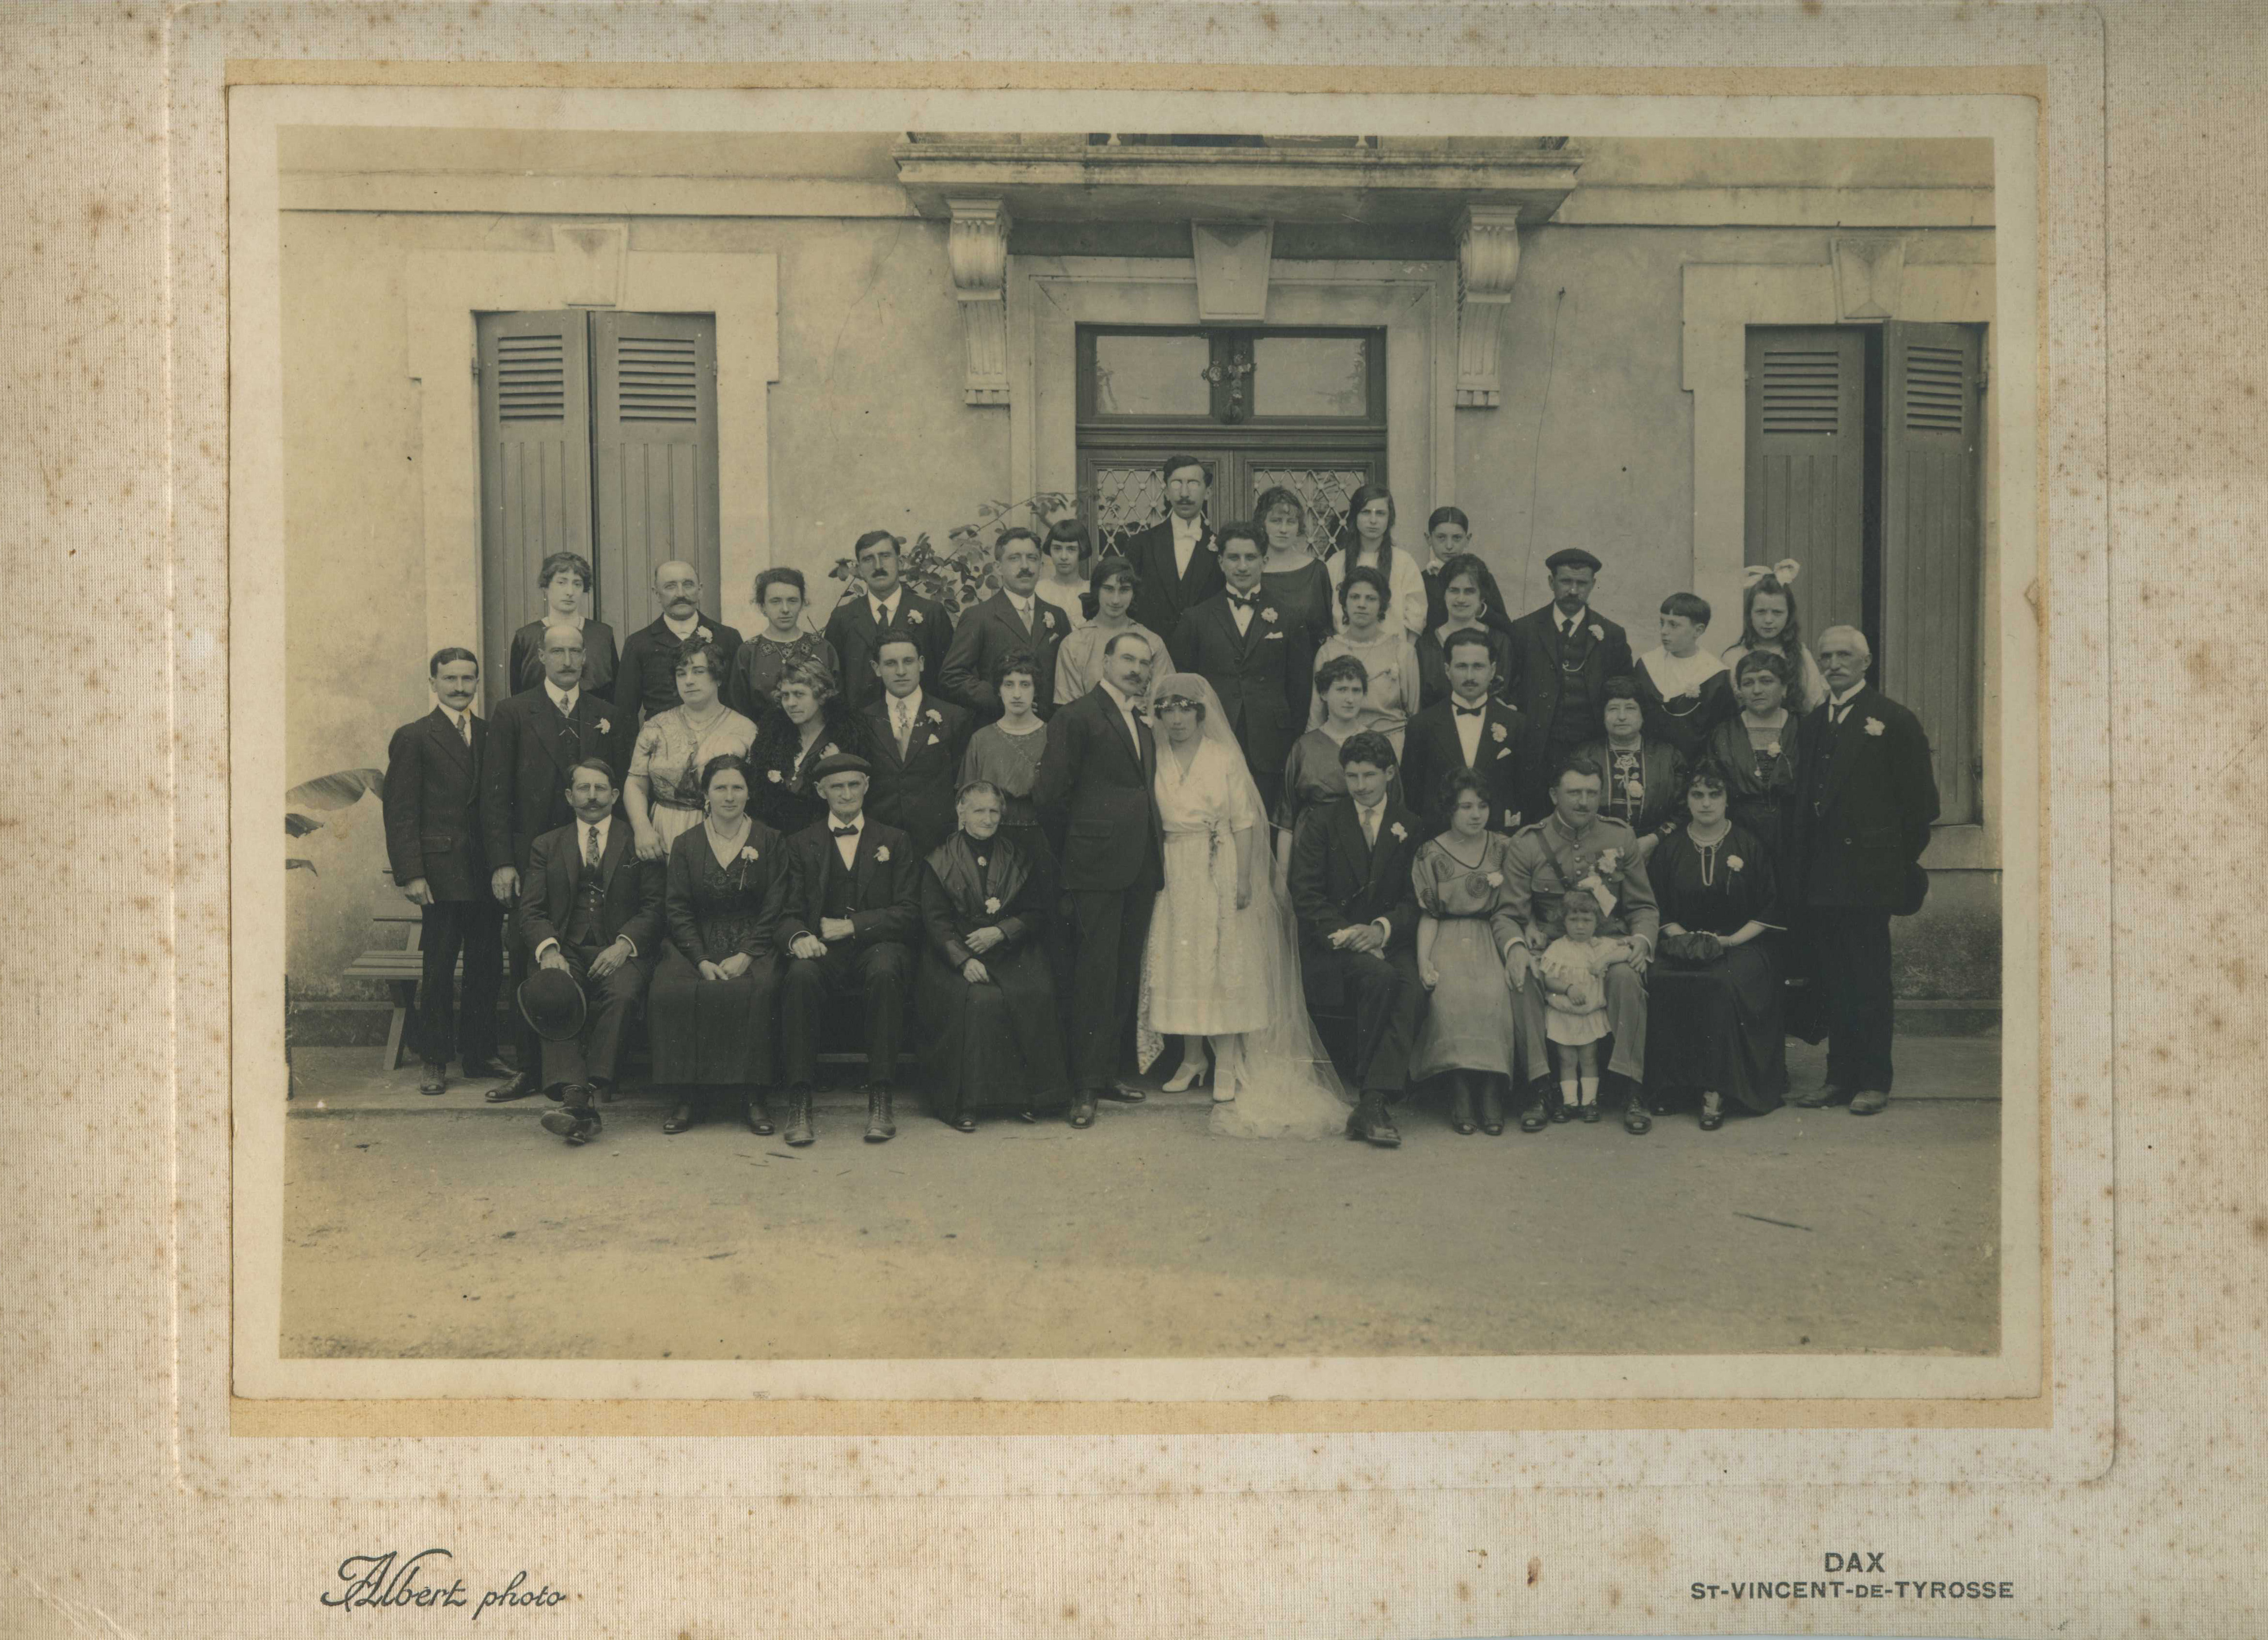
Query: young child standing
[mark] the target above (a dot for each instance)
(1575, 1001)
(1685, 694)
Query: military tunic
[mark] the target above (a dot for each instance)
(1547, 860)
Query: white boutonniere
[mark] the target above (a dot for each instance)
(702, 634)
(1498, 732)
(748, 852)
(1772, 749)
(932, 716)
(913, 617)
(1495, 879)
(1269, 615)
(991, 904)
(830, 751)
(774, 776)
(1598, 633)
(882, 855)
(1610, 860)
(1048, 619)
(1401, 833)
(606, 727)
(1874, 725)
(1732, 862)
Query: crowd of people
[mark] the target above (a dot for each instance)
(1216, 795)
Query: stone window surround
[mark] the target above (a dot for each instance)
(1721, 301)
(444, 290)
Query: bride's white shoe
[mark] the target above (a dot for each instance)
(1189, 1076)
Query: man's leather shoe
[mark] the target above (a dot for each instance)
(1461, 1107)
(522, 1084)
(577, 1124)
(759, 1115)
(1869, 1101)
(1537, 1116)
(1636, 1120)
(1817, 1099)
(881, 1123)
(678, 1120)
(966, 1124)
(799, 1116)
(1377, 1127)
(1122, 1092)
(485, 1070)
(1082, 1108)
(1491, 1108)
(436, 1077)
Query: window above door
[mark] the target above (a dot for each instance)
(1205, 379)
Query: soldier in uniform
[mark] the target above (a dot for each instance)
(1562, 656)
(1573, 847)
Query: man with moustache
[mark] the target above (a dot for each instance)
(1013, 619)
(856, 625)
(432, 801)
(1096, 791)
(1177, 558)
(536, 737)
(647, 683)
(1866, 800)
(1260, 664)
(1471, 729)
(1562, 656)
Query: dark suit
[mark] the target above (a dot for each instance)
(1264, 676)
(1865, 799)
(1337, 881)
(880, 895)
(1432, 750)
(915, 793)
(1559, 688)
(648, 681)
(524, 792)
(1164, 595)
(1097, 792)
(599, 659)
(988, 633)
(432, 799)
(851, 630)
(627, 906)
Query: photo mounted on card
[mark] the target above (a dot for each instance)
(1365, 755)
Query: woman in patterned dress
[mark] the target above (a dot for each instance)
(663, 792)
(1079, 658)
(1465, 921)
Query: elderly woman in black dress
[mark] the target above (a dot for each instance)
(985, 996)
(711, 1004)
(1713, 994)
(1758, 746)
(805, 723)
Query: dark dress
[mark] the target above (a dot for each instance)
(712, 1034)
(1762, 796)
(781, 795)
(1304, 594)
(1717, 1027)
(997, 1046)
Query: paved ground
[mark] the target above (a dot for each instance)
(448, 1228)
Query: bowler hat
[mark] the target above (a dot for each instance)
(1916, 891)
(1574, 555)
(552, 1004)
(841, 763)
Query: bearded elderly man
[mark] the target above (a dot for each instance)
(1575, 849)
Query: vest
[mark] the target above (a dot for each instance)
(590, 892)
(1574, 718)
(834, 892)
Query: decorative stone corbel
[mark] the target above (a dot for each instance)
(1870, 269)
(1232, 262)
(1488, 261)
(976, 251)
(589, 257)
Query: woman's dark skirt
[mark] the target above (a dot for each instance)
(711, 1033)
(1718, 1027)
(992, 1047)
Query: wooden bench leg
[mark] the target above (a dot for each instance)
(404, 994)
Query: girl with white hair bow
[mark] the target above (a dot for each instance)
(1769, 621)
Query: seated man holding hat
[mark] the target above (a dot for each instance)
(591, 913)
(853, 920)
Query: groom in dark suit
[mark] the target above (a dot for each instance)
(1096, 792)
(1177, 558)
(535, 738)
(432, 799)
(1866, 797)
(1471, 729)
(1357, 911)
(1260, 664)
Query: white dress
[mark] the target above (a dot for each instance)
(1202, 969)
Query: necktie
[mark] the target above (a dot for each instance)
(1370, 827)
(1567, 632)
(1023, 613)
(591, 848)
(465, 727)
(882, 615)
(902, 720)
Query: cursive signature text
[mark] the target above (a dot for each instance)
(392, 1580)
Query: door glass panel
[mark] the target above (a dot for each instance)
(1127, 500)
(1327, 491)
(1151, 375)
(1311, 375)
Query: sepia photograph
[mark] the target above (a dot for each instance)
(1133, 749)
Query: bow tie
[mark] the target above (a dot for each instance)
(1244, 600)
(843, 830)
(1480, 711)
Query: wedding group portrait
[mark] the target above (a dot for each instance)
(1001, 745)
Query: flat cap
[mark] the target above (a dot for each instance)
(841, 763)
(1575, 554)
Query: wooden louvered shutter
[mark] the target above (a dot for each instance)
(535, 468)
(1933, 565)
(654, 445)
(1807, 462)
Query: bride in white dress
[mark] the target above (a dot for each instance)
(1222, 963)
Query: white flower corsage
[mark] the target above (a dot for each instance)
(829, 750)
(1268, 614)
(702, 634)
(1611, 859)
(991, 904)
(1772, 749)
(748, 852)
(1048, 619)
(1598, 634)
(1495, 879)
(1732, 862)
(1400, 834)
(1874, 725)
(882, 854)
(913, 617)
(606, 726)
(932, 716)
(774, 776)
(1501, 733)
